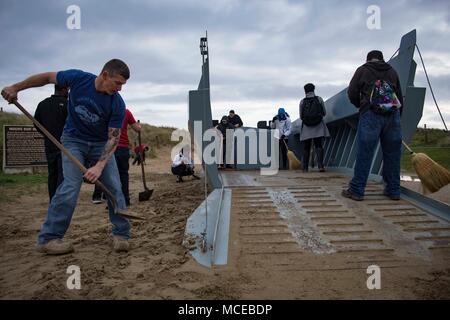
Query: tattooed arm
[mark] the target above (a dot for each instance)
(95, 172)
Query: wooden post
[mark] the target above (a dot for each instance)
(426, 134)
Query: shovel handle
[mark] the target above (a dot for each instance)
(142, 157)
(65, 151)
(51, 137)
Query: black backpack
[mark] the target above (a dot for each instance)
(312, 113)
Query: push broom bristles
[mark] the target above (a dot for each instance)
(432, 175)
(294, 163)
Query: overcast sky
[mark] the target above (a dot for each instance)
(261, 52)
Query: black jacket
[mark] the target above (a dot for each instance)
(360, 85)
(52, 114)
(223, 125)
(235, 120)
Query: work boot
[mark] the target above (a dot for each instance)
(392, 197)
(351, 195)
(120, 244)
(55, 247)
(319, 154)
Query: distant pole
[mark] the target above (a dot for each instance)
(426, 133)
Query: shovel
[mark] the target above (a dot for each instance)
(147, 193)
(121, 212)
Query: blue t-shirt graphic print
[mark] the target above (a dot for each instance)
(90, 113)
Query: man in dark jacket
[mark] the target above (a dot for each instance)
(52, 114)
(375, 125)
(223, 126)
(234, 119)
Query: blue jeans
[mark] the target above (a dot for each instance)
(371, 128)
(122, 156)
(65, 199)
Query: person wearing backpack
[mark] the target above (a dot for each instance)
(375, 91)
(312, 110)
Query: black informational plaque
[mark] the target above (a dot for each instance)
(23, 147)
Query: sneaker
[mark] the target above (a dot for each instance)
(392, 197)
(322, 170)
(55, 247)
(350, 195)
(97, 201)
(120, 244)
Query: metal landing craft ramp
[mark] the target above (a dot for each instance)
(296, 222)
(294, 213)
(289, 234)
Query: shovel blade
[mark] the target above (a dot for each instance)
(145, 195)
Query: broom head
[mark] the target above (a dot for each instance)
(432, 175)
(294, 163)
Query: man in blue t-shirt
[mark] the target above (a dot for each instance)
(95, 115)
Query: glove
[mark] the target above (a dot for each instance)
(283, 137)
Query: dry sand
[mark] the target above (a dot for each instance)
(158, 266)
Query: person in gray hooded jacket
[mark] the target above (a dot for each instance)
(312, 110)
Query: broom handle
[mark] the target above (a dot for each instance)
(285, 144)
(64, 150)
(407, 148)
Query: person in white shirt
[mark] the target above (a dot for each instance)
(282, 122)
(182, 166)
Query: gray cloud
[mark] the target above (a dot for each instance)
(261, 52)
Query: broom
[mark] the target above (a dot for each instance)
(432, 175)
(294, 163)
